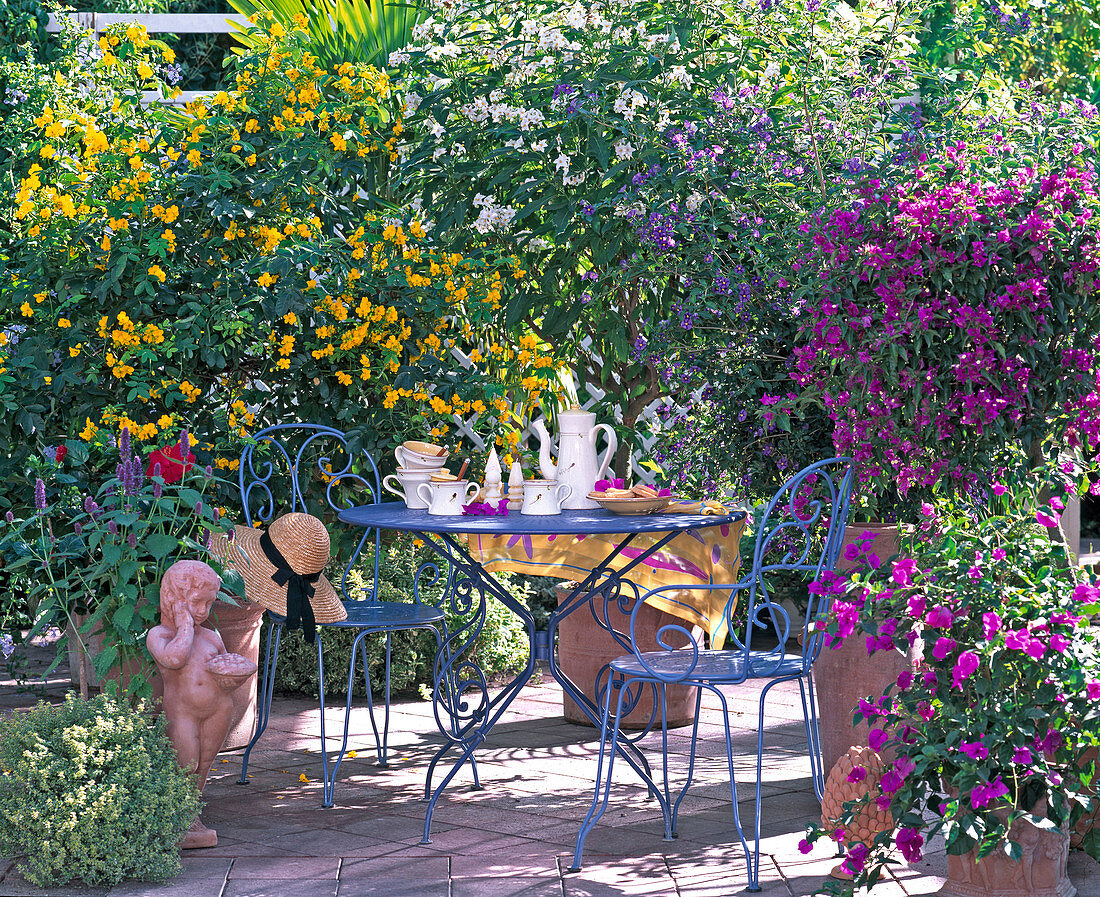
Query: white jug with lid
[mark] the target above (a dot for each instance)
(578, 466)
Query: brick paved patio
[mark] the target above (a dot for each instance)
(515, 836)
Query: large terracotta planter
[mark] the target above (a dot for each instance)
(844, 675)
(239, 627)
(1041, 872)
(584, 649)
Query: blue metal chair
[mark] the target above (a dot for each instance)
(800, 530)
(311, 468)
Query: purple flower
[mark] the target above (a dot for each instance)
(939, 617)
(39, 495)
(112, 528)
(983, 794)
(185, 444)
(131, 540)
(975, 750)
(10, 517)
(124, 444)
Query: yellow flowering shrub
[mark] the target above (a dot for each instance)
(225, 265)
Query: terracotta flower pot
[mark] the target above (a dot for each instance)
(584, 649)
(844, 675)
(239, 627)
(1041, 872)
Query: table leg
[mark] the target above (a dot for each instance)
(464, 710)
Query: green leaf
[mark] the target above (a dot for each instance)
(160, 545)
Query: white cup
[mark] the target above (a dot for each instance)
(447, 498)
(413, 460)
(404, 483)
(544, 496)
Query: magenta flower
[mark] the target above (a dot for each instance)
(975, 750)
(910, 842)
(983, 794)
(991, 624)
(965, 667)
(1047, 520)
(943, 647)
(876, 739)
(939, 617)
(903, 572)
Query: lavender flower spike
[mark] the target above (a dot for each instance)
(39, 495)
(124, 444)
(185, 446)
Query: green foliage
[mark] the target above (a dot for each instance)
(92, 791)
(23, 31)
(525, 125)
(362, 32)
(99, 546)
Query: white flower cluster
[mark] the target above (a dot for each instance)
(493, 217)
(629, 102)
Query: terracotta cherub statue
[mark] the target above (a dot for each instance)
(199, 675)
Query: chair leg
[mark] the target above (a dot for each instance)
(444, 680)
(752, 859)
(813, 736)
(381, 740)
(265, 690)
(691, 760)
(600, 805)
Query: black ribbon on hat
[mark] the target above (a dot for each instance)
(299, 590)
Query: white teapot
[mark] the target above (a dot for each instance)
(577, 466)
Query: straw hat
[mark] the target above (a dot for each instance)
(286, 559)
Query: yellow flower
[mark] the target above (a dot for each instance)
(290, 318)
(194, 158)
(343, 378)
(157, 272)
(266, 280)
(75, 350)
(303, 778)
(26, 310)
(46, 152)
(165, 421)
(169, 55)
(89, 431)
(144, 71)
(251, 159)
(64, 322)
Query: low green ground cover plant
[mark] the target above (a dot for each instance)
(92, 791)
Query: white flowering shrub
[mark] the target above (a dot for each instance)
(92, 791)
(525, 125)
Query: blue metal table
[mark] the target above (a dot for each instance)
(464, 709)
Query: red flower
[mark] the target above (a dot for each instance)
(59, 454)
(172, 465)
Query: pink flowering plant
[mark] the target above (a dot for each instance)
(950, 316)
(994, 722)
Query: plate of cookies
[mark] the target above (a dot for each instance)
(636, 500)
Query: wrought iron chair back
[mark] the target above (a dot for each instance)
(284, 461)
(800, 531)
(315, 469)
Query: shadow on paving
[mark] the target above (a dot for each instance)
(514, 836)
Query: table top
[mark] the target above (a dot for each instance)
(394, 515)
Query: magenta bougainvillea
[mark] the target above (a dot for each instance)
(954, 315)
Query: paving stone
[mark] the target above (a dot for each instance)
(201, 877)
(283, 867)
(423, 868)
(259, 887)
(510, 886)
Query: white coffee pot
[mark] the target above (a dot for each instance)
(578, 466)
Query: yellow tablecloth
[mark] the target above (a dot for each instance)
(706, 556)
